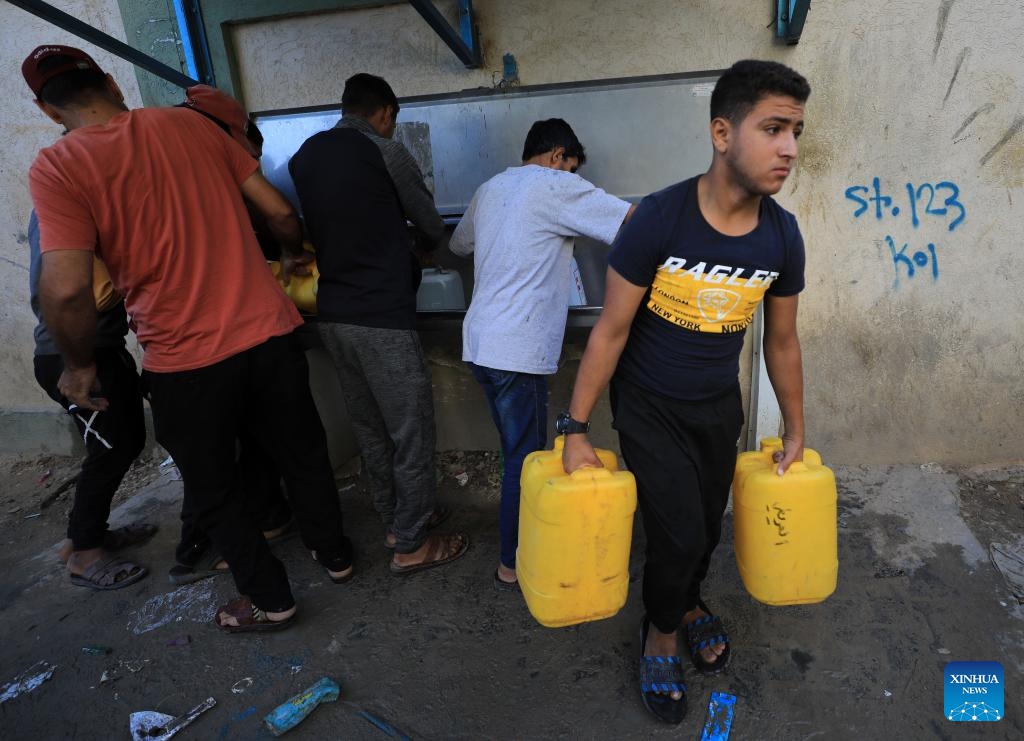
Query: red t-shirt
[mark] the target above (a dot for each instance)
(155, 193)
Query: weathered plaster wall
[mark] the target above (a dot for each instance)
(912, 354)
(23, 131)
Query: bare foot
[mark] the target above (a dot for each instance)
(341, 575)
(662, 644)
(277, 532)
(79, 561)
(711, 653)
(506, 574)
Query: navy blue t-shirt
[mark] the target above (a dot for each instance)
(703, 290)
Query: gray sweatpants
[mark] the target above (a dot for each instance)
(386, 384)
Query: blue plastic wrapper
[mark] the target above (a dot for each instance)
(719, 722)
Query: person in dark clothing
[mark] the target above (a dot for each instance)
(113, 438)
(195, 557)
(357, 186)
(156, 193)
(684, 279)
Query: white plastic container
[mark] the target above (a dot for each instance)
(577, 294)
(440, 290)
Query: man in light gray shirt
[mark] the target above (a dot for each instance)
(520, 225)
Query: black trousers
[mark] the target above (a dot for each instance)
(262, 493)
(113, 438)
(683, 455)
(264, 392)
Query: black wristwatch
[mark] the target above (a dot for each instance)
(566, 425)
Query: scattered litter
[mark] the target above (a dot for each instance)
(149, 725)
(286, 716)
(27, 681)
(931, 468)
(134, 666)
(192, 602)
(241, 685)
(96, 650)
(35, 514)
(719, 723)
(169, 461)
(107, 676)
(944, 651)
(45, 476)
(1009, 562)
(296, 669)
(462, 478)
(887, 693)
(346, 487)
(180, 640)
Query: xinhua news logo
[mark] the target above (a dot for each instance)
(974, 691)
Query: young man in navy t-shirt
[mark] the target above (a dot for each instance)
(685, 277)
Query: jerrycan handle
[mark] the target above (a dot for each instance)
(592, 471)
(797, 467)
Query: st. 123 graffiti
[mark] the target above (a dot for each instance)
(922, 201)
(940, 200)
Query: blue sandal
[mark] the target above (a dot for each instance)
(703, 633)
(660, 675)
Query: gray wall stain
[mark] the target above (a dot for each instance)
(987, 108)
(940, 25)
(959, 63)
(1015, 128)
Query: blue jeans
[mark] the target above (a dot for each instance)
(519, 408)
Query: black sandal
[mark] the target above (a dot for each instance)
(659, 676)
(703, 633)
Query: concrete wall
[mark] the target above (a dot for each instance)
(23, 131)
(910, 328)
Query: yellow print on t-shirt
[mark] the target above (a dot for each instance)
(720, 300)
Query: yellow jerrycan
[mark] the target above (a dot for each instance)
(753, 460)
(785, 532)
(301, 289)
(574, 536)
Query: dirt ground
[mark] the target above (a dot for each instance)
(442, 655)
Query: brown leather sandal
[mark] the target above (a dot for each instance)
(250, 618)
(439, 552)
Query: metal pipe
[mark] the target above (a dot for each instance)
(94, 36)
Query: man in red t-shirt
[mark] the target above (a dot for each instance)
(158, 196)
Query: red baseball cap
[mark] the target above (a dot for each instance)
(224, 108)
(77, 59)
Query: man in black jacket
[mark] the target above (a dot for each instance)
(357, 187)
